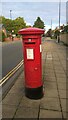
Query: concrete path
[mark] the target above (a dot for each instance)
(53, 104)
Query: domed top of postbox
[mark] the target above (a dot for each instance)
(31, 30)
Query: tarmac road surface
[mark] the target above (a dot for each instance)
(11, 56)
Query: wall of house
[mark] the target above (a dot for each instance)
(64, 38)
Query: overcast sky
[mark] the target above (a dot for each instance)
(31, 10)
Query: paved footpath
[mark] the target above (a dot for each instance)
(53, 104)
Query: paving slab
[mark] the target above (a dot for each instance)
(49, 79)
(67, 115)
(29, 103)
(57, 64)
(26, 113)
(50, 74)
(48, 70)
(61, 86)
(12, 99)
(49, 114)
(18, 91)
(64, 115)
(58, 68)
(51, 93)
(50, 104)
(49, 67)
(8, 111)
(50, 85)
(1, 110)
(62, 94)
(58, 75)
(61, 80)
(63, 105)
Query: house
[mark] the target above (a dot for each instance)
(2, 29)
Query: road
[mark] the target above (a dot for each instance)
(11, 56)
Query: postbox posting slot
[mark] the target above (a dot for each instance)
(29, 42)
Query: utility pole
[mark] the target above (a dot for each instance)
(51, 28)
(67, 12)
(10, 14)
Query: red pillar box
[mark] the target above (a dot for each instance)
(32, 62)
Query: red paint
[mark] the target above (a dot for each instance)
(33, 67)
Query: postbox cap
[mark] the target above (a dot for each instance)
(31, 30)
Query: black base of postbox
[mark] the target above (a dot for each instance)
(34, 93)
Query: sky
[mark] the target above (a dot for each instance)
(47, 11)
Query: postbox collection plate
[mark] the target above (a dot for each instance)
(30, 53)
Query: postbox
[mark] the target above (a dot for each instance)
(31, 38)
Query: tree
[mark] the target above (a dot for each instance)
(39, 23)
(8, 24)
(18, 24)
(13, 25)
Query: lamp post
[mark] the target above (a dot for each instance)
(59, 20)
(10, 14)
(11, 19)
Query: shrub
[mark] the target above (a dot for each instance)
(0, 35)
(65, 30)
(3, 37)
(56, 33)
